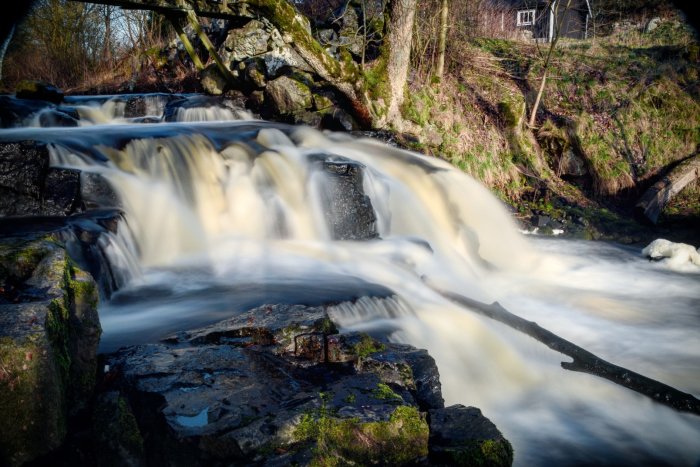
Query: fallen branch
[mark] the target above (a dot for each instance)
(583, 360)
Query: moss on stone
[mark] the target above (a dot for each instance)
(401, 440)
(384, 392)
(31, 422)
(485, 453)
(367, 346)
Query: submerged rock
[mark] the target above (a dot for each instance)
(49, 330)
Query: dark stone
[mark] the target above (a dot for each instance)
(312, 119)
(338, 120)
(116, 433)
(38, 90)
(58, 117)
(200, 101)
(29, 187)
(13, 111)
(347, 209)
(543, 221)
(96, 192)
(237, 391)
(461, 435)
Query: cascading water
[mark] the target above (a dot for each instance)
(222, 217)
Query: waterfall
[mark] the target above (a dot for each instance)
(224, 216)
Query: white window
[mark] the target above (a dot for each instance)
(526, 17)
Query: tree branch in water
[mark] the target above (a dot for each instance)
(583, 360)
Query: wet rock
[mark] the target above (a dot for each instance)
(61, 117)
(96, 192)
(38, 90)
(347, 209)
(13, 111)
(285, 96)
(172, 108)
(29, 187)
(48, 341)
(268, 385)
(461, 435)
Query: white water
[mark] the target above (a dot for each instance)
(218, 230)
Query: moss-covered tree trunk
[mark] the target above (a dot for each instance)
(397, 50)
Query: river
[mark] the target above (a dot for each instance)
(223, 213)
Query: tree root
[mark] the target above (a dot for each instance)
(583, 360)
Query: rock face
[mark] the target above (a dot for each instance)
(278, 385)
(347, 209)
(463, 436)
(49, 331)
(28, 186)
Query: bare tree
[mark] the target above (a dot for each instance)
(556, 33)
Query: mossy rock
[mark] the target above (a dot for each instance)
(48, 342)
(38, 90)
(400, 440)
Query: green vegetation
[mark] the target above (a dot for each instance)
(487, 453)
(401, 440)
(367, 346)
(385, 393)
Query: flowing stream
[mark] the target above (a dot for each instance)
(223, 216)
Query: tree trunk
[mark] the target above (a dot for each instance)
(442, 44)
(655, 198)
(397, 50)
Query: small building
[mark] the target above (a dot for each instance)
(541, 19)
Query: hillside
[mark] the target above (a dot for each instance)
(617, 113)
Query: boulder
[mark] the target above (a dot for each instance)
(38, 90)
(245, 42)
(213, 82)
(49, 331)
(285, 96)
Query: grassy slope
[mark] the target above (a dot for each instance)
(626, 106)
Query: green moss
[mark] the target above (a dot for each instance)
(384, 392)
(401, 440)
(367, 346)
(487, 453)
(32, 419)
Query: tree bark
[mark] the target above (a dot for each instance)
(658, 195)
(583, 360)
(442, 43)
(397, 47)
